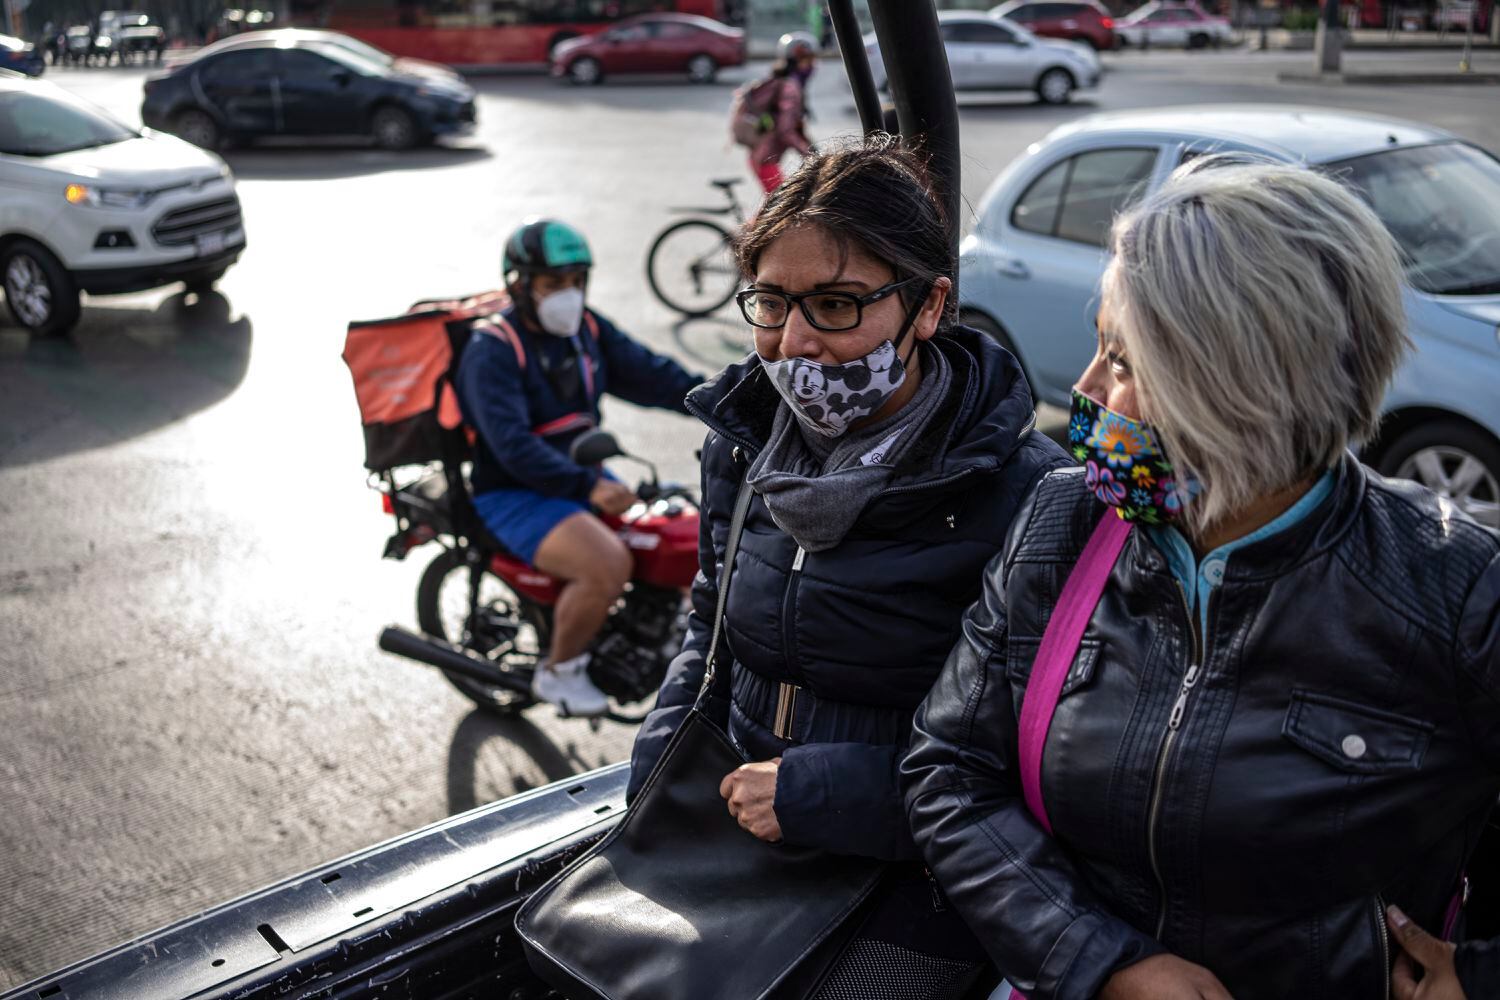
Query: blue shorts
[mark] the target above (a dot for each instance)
(522, 518)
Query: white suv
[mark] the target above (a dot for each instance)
(87, 203)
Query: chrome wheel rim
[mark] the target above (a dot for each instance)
(584, 71)
(1459, 476)
(198, 130)
(701, 68)
(27, 289)
(1055, 87)
(392, 130)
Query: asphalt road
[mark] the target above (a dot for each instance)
(191, 700)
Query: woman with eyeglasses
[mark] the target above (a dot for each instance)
(887, 448)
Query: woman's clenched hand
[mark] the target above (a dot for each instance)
(1424, 956)
(750, 790)
(1164, 977)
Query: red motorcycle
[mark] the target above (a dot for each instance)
(486, 615)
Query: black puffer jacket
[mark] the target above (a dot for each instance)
(863, 628)
(1339, 751)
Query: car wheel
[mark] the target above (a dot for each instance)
(702, 68)
(198, 128)
(38, 289)
(1055, 86)
(393, 128)
(993, 330)
(1455, 461)
(585, 71)
(1197, 40)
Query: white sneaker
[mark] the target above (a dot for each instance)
(567, 686)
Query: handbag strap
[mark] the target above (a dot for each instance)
(731, 548)
(1065, 629)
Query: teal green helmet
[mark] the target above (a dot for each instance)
(545, 245)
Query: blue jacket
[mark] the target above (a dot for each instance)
(861, 629)
(529, 394)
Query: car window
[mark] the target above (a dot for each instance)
(1025, 13)
(1036, 209)
(240, 65)
(300, 64)
(983, 34)
(1078, 198)
(1442, 204)
(34, 125)
(673, 30)
(632, 33)
(1165, 15)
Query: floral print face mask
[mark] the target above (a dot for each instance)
(1124, 464)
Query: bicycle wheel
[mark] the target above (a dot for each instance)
(691, 267)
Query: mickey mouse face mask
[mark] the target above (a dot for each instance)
(827, 399)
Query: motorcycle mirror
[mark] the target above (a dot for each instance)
(593, 447)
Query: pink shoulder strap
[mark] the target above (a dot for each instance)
(1059, 646)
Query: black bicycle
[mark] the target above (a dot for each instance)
(691, 265)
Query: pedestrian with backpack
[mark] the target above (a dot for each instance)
(770, 116)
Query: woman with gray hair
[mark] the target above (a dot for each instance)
(1277, 716)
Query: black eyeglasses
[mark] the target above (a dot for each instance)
(830, 311)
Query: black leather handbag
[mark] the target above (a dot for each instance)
(678, 902)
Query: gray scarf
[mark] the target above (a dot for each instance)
(816, 487)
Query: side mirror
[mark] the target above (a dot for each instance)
(342, 77)
(593, 447)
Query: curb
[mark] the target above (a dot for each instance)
(1393, 79)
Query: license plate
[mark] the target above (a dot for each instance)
(210, 243)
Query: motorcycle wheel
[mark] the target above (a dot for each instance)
(511, 633)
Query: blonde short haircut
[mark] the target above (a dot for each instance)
(1259, 306)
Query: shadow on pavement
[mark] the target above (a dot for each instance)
(494, 756)
(328, 161)
(120, 374)
(715, 341)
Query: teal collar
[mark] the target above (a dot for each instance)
(1199, 579)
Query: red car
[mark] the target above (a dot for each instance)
(1076, 20)
(652, 43)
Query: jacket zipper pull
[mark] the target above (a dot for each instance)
(939, 905)
(1179, 707)
(797, 561)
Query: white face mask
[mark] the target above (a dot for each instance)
(561, 312)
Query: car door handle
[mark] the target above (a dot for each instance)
(1012, 268)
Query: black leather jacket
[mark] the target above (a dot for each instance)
(1340, 749)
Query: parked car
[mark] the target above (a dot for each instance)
(1030, 269)
(269, 86)
(1168, 25)
(986, 52)
(88, 203)
(131, 35)
(78, 44)
(1075, 20)
(21, 57)
(651, 43)
(287, 37)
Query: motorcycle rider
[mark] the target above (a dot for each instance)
(529, 382)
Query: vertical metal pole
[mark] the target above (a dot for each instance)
(1330, 39)
(921, 84)
(1464, 64)
(856, 64)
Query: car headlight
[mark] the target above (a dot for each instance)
(96, 197)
